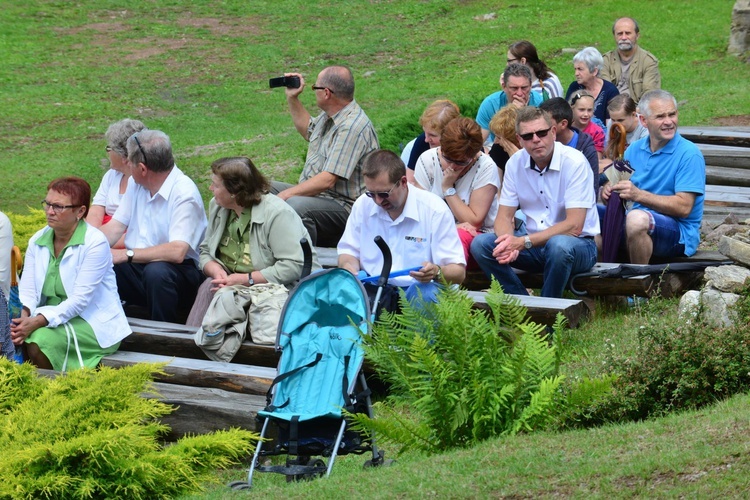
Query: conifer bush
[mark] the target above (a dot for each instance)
(24, 226)
(90, 434)
(459, 376)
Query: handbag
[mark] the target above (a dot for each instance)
(235, 312)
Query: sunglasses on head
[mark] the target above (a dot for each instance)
(538, 133)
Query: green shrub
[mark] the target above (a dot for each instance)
(24, 226)
(395, 134)
(90, 434)
(459, 376)
(678, 364)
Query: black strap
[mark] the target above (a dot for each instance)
(279, 378)
(630, 270)
(345, 384)
(293, 434)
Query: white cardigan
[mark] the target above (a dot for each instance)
(89, 280)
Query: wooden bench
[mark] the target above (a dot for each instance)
(727, 154)
(232, 377)
(667, 284)
(171, 339)
(541, 309)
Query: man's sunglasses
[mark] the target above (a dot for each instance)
(382, 194)
(538, 133)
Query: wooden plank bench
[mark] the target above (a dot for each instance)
(200, 410)
(232, 377)
(667, 285)
(172, 339)
(541, 309)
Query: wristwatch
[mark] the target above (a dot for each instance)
(250, 280)
(527, 242)
(130, 255)
(449, 192)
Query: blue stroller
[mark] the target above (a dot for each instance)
(319, 375)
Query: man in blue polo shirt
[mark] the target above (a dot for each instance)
(516, 83)
(667, 187)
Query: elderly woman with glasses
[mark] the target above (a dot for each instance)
(115, 180)
(588, 65)
(72, 315)
(252, 236)
(464, 176)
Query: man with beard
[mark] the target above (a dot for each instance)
(667, 187)
(631, 69)
(416, 224)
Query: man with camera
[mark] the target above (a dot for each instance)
(339, 137)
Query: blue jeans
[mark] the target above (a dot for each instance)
(561, 257)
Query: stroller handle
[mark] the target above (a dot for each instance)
(307, 255)
(387, 260)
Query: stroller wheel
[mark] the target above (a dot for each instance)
(380, 461)
(239, 485)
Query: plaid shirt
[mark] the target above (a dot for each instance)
(336, 145)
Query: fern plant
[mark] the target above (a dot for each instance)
(91, 434)
(458, 375)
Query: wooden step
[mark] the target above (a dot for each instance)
(231, 377)
(721, 136)
(200, 410)
(727, 176)
(542, 310)
(170, 339)
(725, 156)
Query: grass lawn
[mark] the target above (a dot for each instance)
(701, 454)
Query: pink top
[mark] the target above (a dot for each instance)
(596, 133)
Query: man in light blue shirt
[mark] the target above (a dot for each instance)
(667, 188)
(516, 83)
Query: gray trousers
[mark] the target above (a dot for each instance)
(323, 218)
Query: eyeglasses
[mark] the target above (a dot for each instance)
(382, 194)
(135, 136)
(465, 163)
(539, 133)
(56, 208)
(315, 87)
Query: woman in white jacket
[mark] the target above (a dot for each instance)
(72, 315)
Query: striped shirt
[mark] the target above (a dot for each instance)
(336, 145)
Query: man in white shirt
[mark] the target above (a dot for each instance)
(417, 226)
(163, 214)
(551, 184)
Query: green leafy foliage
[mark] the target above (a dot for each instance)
(398, 132)
(91, 434)
(677, 364)
(24, 226)
(454, 380)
